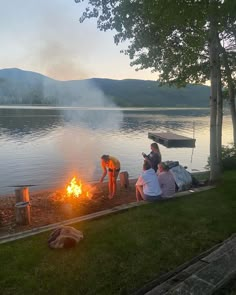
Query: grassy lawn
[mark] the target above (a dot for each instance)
(121, 253)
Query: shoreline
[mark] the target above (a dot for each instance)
(52, 206)
(49, 206)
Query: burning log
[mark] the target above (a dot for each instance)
(75, 197)
(74, 189)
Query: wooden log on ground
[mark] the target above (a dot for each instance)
(124, 179)
(22, 213)
(22, 194)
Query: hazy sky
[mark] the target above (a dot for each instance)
(46, 36)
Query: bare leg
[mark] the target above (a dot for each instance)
(138, 196)
(114, 184)
(139, 193)
(110, 185)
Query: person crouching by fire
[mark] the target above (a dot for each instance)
(112, 165)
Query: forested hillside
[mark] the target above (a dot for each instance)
(24, 87)
(149, 93)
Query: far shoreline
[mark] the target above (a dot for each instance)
(109, 108)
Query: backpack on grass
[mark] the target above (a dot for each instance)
(183, 178)
(64, 237)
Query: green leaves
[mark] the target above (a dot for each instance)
(167, 36)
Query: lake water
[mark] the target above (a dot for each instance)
(46, 146)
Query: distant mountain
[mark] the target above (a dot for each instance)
(25, 87)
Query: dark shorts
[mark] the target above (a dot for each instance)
(111, 170)
(152, 198)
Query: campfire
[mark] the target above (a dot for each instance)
(76, 190)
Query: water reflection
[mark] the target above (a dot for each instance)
(180, 120)
(21, 122)
(45, 146)
(201, 112)
(17, 123)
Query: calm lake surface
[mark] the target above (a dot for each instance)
(46, 146)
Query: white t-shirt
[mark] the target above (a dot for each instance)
(148, 179)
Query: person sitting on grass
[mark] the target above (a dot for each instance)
(147, 185)
(166, 180)
(113, 166)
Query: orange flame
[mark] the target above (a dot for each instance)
(74, 189)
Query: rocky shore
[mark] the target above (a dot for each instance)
(48, 207)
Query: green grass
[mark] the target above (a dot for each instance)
(122, 252)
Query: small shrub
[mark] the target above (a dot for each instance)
(228, 157)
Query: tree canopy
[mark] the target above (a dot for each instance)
(168, 36)
(183, 40)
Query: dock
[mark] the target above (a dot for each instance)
(170, 140)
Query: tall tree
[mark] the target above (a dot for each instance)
(215, 149)
(177, 39)
(227, 48)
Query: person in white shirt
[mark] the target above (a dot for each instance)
(166, 180)
(147, 185)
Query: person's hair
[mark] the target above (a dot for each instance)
(164, 166)
(155, 146)
(105, 157)
(146, 165)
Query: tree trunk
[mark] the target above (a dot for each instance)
(219, 117)
(215, 172)
(231, 91)
(233, 112)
